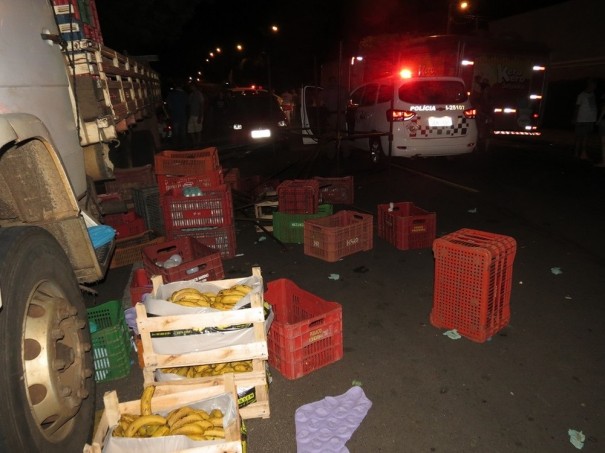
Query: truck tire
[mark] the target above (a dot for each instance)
(46, 384)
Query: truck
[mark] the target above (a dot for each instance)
(65, 101)
(505, 76)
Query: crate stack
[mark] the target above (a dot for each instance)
(133, 231)
(194, 199)
(297, 201)
(189, 341)
(473, 280)
(111, 344)
(78, 19)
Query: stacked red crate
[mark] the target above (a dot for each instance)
(194, 199)
(473, 280)
(298, 196)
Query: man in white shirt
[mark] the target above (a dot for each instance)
(585, 118)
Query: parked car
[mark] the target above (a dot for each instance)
(254, 116)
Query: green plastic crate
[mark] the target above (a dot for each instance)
(111, 343)
(289, 228)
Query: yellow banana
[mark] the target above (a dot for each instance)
(205, 415)
(191, 428)
(191, 418)
(205, 424)
(216, 421)
(161, 431)
(178, 414)
(215, 432)
(216, 413)
(231, 292)
(142, 421)
(186, 303)
(146, 399)
(228, 299)
(201, 368)
(185, 292)
(242, 288)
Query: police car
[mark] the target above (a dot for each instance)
(430, 116)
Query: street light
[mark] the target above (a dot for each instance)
(461, 6)
(354, 59)
(274, 28)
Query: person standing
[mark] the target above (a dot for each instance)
(195, 123)
(335, 101)
(585, 118)
(176, 103)
(286, 105)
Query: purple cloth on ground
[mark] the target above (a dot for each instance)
(325, 426)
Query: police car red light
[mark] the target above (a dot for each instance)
(470, 113)
(400, 115)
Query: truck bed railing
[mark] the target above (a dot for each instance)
(123, 90)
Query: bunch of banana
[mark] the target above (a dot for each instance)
(197, 424)
(197, 371)
(225, 299)
(191, 297)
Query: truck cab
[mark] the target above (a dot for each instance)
(64, 99)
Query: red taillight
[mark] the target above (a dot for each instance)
(400, 115)
(470, 113)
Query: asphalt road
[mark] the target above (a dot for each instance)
(522, 391)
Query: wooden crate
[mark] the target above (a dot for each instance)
(255, 350)
(263, 212)
(256, 378)
(166, 398)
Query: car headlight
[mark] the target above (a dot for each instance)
(237, 127)
(282, 123)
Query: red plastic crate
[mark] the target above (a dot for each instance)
(210, 179)
(333, 237)
(298, 196)
(336, 190)
(213, 208)
(406, 226)
(199, 260)
(127, 179)
(232, 177)
(221, 239)
(473, 280)
(140, 284)
(66, 8)
(187, 163)
(306, 333)
(126, 225)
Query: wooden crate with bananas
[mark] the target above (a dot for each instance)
(200, 418)
(242, 351)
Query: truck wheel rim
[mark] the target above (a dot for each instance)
(53, 359)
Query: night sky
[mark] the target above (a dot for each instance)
(183, 32)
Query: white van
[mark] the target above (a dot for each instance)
(432, 116)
